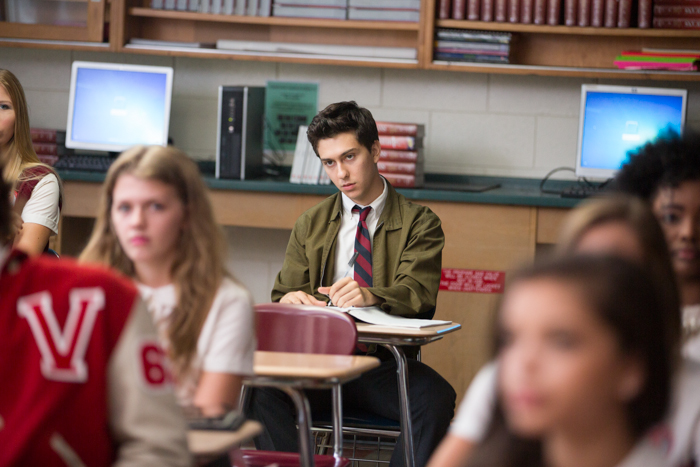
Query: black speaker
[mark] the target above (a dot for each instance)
(239, 134)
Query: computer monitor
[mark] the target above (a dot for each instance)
(114, 106)
(616, 120)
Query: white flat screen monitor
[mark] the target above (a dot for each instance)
(617, 120)
(114, 106)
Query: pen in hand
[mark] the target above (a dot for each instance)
(351, 263)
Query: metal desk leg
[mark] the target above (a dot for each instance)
(306, 453)
(337, 421)
(404, 405)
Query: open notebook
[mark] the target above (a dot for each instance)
(374, 315)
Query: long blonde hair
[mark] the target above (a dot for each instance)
(20, 155)
(198, 268)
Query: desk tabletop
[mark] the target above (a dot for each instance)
(214, 442)
(304, 365)
(372, 330)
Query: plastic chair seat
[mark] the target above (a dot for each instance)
(358, 418)
(288, 459)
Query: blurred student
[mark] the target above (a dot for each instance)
(36, 187)
(81, 368)
(621, 226)
(584, 372)
(666, 174)
(156, 225)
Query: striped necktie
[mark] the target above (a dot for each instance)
(363, 246)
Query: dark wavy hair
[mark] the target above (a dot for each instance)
(664, 163)
(628, 301)
(343, 117)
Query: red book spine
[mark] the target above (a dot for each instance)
(677, 2)
(408, 168)
(553, 11)
(473, 10)
(459, 8)
(597, 13)
(624, 15)
(397, 142)
(501, 10)
(526, 11)
(570, 7)
(398, 156)
(398, 129)
(584, 13)
(45, 135)
(400, 180)
(610, 13)
(487, 10)
(46, 149)
(675, 11)
(444, 9)
(540, 13)
(514, 11)
(677, 23)
(644, 9)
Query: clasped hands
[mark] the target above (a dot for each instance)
(344, 293)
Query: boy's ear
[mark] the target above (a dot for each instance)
(631, 380)
(376, 151)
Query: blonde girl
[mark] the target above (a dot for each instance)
(155, 224)
(36, 187)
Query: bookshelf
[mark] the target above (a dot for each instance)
(536, 50)
(568, 51)
(168, 25)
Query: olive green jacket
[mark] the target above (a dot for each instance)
(406, 256)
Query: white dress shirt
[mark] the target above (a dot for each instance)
(348, 229)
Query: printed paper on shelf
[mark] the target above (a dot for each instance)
(299, 156)
(472, 281)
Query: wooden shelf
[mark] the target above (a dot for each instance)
(568, 30)
(275, 21)
(593, 73)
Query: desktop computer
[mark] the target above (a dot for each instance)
(239, 132)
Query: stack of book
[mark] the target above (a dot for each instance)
(461, 45)
(676, 14)
(401, 159)
(306, 165)
(323, 9)
(384, 10)
(49, 144)
(219, 7)
(659, 59)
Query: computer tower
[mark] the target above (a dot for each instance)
(239, 133)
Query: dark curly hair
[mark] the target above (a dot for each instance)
(343, 117)
(666, 162)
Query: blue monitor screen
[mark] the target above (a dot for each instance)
(119, 107)
(617, 123)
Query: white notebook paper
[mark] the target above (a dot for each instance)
(374, 315)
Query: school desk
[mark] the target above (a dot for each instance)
(215, 443)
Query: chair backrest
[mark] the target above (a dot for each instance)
(304, 329)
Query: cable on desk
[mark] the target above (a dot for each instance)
(549, 174)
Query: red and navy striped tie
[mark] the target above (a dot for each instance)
(363, 263)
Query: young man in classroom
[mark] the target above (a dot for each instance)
(83, 380)
(397, 268)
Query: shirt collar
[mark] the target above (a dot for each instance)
(377, 205)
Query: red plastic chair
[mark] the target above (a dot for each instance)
(303, 329)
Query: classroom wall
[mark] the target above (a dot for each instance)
(520, 126)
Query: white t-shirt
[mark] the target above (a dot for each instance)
(348, 230)
(42, 207)
(691, 319)
(474, 415)
(227, 341)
